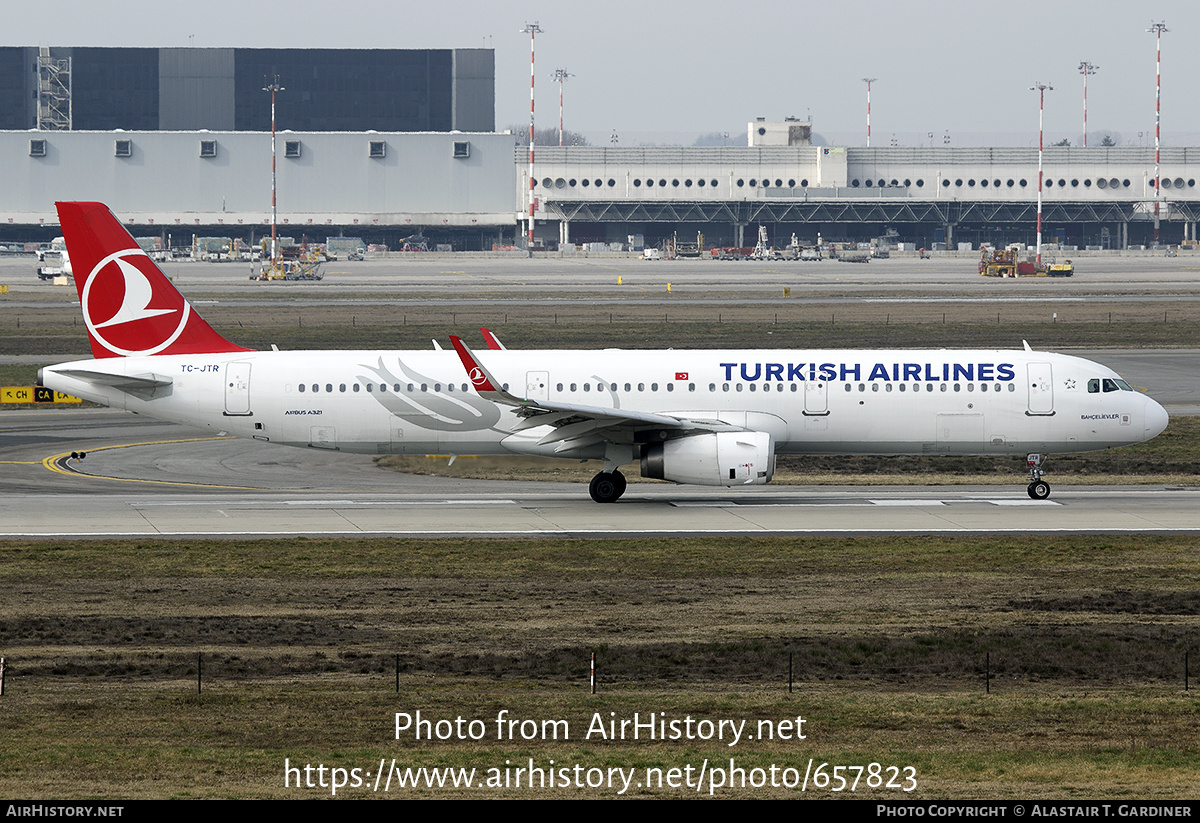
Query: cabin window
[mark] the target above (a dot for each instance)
(424, 387)
(450, 387)
(737, 387)
(794, 387)
(724, 387)
(849, 387)
(887, 387)
(874, 387)
(712, 386)
(627, 387)
(691, 386)
(587, 386)
(641, 386)
(356, 387)
(329, 387)
(670, 387)
(558, 387)
(301, 387)
(341, 386)
(573, 385)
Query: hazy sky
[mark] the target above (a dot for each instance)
(670, 71)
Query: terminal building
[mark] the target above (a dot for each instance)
(1099, 196)
(384, 144)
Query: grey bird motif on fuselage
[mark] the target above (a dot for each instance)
(431, 409)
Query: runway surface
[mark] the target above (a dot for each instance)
(445, 279)
(144, 478)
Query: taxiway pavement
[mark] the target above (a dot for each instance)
(146, 478)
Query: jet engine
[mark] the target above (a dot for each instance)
(717, 459)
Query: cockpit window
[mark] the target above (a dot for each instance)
(1108, 384)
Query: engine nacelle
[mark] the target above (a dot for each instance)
(718, 459)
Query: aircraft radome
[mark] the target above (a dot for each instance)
(713, 418)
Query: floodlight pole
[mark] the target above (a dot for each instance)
(531, 29)
(561, 76)
(273, 88)
(1157, 29)
(869, 81)
(1086, 68)
(1040, 88)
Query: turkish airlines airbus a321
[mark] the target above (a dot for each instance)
(712, 418)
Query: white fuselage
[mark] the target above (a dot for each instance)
(810, 402)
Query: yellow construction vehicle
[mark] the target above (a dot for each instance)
(1004, 263)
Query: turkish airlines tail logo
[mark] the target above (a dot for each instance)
(129, 306)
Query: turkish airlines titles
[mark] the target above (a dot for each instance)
(895, 372)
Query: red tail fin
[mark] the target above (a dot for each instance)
(129, 305)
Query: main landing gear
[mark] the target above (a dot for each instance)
(1038, 489)
(607, 487)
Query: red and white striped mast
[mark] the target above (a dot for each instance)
(561, 76)
(1158, 29)
(531, 29)
(869, 81)
(1085, 68)
(1040, 88)
(274, 87)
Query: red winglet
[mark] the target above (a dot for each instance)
(479, 377)
(129, 305)
(492, 341)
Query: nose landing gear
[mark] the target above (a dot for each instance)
(1038, 489)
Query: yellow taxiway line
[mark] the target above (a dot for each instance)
(51, 463)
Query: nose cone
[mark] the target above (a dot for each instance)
(1156, 419)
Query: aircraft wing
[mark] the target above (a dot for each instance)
(575, 425)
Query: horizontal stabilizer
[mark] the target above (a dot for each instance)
(119, 381)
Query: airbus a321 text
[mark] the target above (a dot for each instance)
(713, 418)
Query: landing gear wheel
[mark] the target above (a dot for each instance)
(604, 488)
(621, 482)
(1039, 490)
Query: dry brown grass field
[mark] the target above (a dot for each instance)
(768, 321)
(1001, 668)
